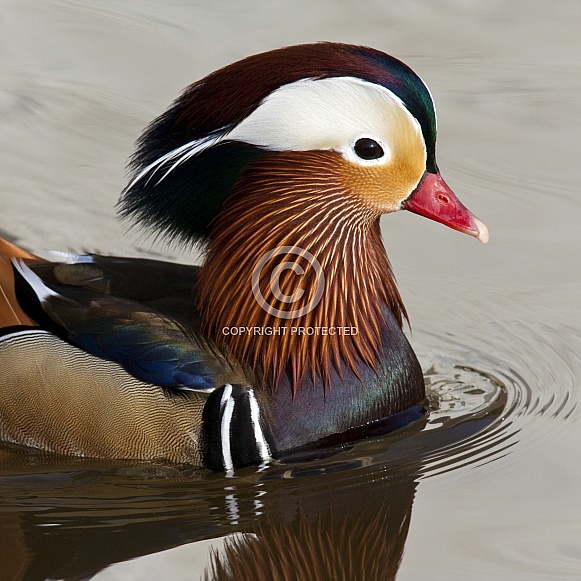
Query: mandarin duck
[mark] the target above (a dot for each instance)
(290, 332)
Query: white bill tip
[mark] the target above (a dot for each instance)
(483, 235)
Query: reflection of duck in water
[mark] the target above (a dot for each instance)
(351, 527)
(71, 519)
(283, 161)
(358, 550)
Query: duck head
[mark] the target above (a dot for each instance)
(289, 156)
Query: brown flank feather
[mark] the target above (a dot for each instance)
(297, 199)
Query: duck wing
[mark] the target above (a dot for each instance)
(136, 312)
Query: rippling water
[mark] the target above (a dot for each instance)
(486, 487)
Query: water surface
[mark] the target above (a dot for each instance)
(487, 488)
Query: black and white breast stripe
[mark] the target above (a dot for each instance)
(234, 433)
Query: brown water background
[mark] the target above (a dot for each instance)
(78, 82)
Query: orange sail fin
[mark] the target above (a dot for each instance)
(10, 311)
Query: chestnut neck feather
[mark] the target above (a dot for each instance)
(296, 199)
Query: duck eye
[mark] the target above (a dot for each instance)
(367, 148)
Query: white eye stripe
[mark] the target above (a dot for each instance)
(310, 114)
(322, 114)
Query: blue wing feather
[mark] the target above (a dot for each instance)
(152, 346)
(171, 362)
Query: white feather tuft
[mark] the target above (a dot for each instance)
(179, 155)
(70, 258)
(40, 289)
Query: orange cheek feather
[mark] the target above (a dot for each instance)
(384, 186)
